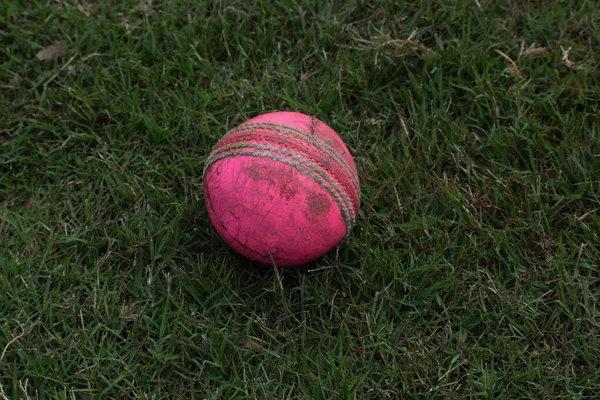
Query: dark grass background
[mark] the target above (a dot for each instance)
(472, 271)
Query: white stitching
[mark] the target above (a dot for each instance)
(348, 205)
(347, 212)
(300, 134)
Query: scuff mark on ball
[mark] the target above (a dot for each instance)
(318, 204)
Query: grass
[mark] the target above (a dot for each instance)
(473, 271)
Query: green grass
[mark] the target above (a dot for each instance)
(473, 271)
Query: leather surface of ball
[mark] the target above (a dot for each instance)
(282, 187)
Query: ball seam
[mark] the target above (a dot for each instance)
(302, 135)
(333, 188)
(347, 206)
(330, 169)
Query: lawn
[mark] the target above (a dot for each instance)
(472, 271)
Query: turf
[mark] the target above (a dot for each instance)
(473, 270)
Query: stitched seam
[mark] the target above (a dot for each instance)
(249, 142)
(303, 162)
(303, 135)
(345, 210)
(332, 188)
(299, 133)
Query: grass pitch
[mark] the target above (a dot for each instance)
(473, 271)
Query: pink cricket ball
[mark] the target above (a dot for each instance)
(282, 187)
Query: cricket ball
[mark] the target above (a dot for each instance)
(281, 188)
